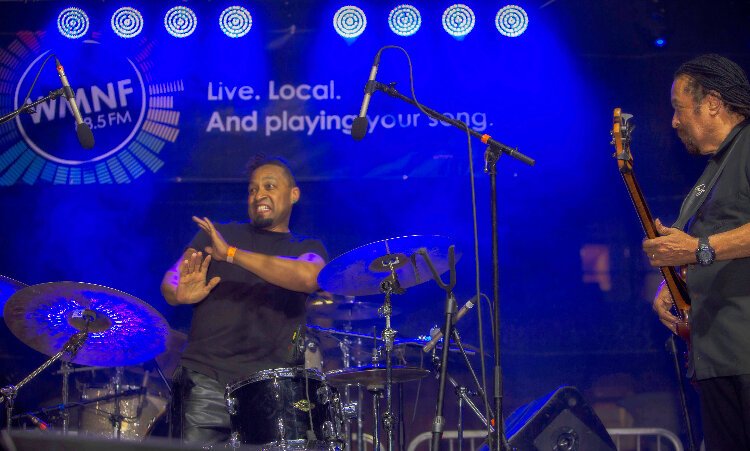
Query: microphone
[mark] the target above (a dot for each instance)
(359, 126)
(142, 393)
(437, 336)
(38, 422)
(85, 137)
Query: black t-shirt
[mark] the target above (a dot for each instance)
(246, 324)
(720, 292)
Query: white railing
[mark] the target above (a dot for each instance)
(476, 437)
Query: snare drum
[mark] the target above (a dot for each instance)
(285, 408)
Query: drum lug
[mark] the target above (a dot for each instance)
(324, 394)
(329, 432)
(350, 410)
(234, 440)
(231, 405)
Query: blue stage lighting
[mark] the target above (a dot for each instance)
(404, 20)
(349, 22)
(73, 23)
(458, 20)
(180, 21)
(660, 42)
(235, 21)
(127, 22)
(511, 21)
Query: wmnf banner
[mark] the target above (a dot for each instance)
(199, 107)
(186, 113)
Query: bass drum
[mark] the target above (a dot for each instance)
(285, 408)
(139, 412)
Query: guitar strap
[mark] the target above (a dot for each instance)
(706, 182)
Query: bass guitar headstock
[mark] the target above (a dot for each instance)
(621, 133)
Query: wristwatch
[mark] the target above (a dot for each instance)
(705, 254)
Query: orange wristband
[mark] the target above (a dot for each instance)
(230, 254)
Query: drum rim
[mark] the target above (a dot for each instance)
(274, 373)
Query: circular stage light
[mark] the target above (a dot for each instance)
(404, 20)
(235, 21)
(180, 21)
(511, 21)
(127, 22)
(73, 23)
(349, 22)
(458, 20)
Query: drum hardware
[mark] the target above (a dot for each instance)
(388, 267)
(95, 325)
(462, 392)
(8, 393)
(438, 423)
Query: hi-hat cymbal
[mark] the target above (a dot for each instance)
(323, 304)
(362, 271)
(8, 287)
(124, 331)
(375, 374)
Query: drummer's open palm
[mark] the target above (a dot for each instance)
(192, 287)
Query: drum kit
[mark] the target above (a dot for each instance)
(300, 408)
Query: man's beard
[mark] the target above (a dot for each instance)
(690, 145)
(262, 223)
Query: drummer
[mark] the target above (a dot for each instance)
(247, 283)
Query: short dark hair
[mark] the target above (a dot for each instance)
(712, 72)
(262, 160)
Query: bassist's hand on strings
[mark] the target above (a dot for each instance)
(662, 305)
(672, 247)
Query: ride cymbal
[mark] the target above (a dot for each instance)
(123, 330)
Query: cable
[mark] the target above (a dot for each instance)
(476, 237)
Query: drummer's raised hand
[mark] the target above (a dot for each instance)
(191, 286)
(218, 249)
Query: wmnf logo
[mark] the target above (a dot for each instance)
(131, 116)
(700, 189)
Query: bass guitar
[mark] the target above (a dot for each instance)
(622, 129)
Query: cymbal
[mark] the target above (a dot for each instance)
(375, 374)
(8, 286)
(323, 304)
(125, 330)
(361, 271)
(170, 358)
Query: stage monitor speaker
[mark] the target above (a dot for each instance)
(560, 421)
(20, 440)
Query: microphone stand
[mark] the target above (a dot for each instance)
(29, 107)
(390, 89)
(438, 423)
(498, 440)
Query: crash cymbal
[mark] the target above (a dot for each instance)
(323, 304)
(375, 375)
(8, 286)
(124, 331)
(361, 271)
(170, 358)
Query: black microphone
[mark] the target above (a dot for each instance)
(439, 334)
(85, 137)
(359, 126)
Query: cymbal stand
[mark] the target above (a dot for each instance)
(345, 346)
(116, 416)
(389, 286)
(65, 370)
(438, 423)
(8, 393)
